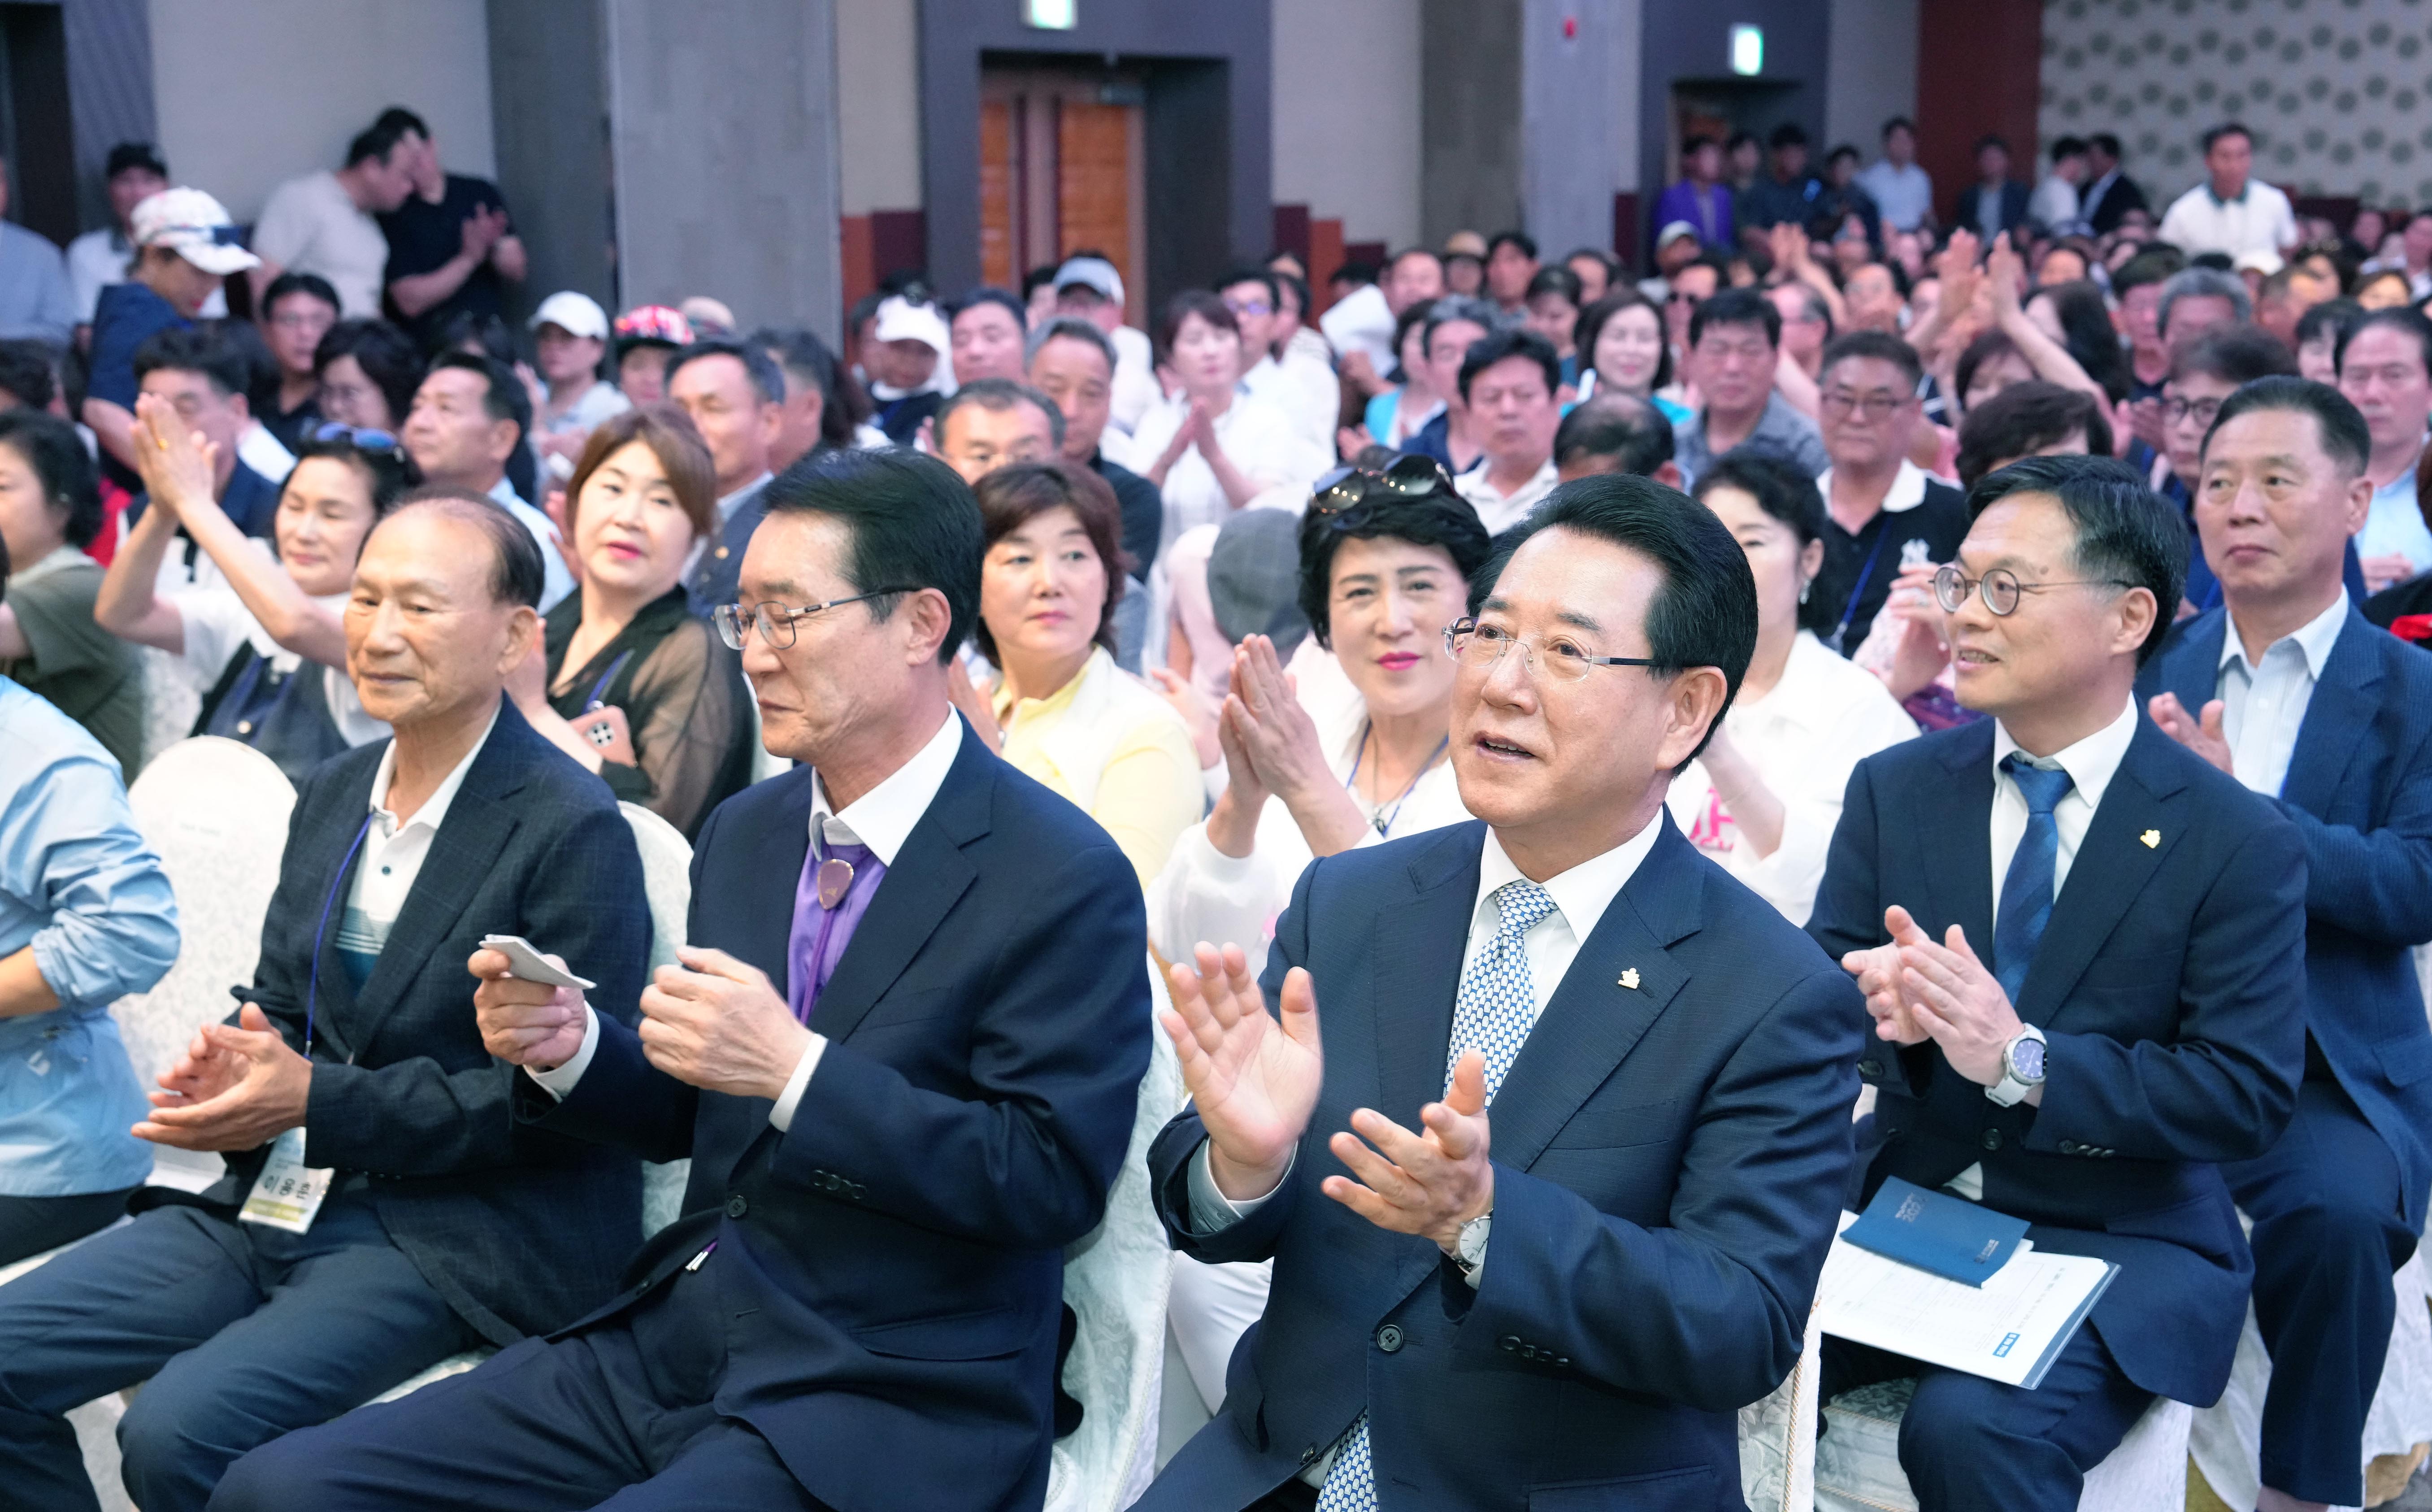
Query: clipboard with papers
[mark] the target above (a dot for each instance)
(2009, 1327)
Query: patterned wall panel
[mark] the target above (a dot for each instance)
(2339, 92)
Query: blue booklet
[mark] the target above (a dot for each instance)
(1948, 1237)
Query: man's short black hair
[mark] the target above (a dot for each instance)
(1736, 307)
(126, 155)
(1409, 252)
(2234, 354)
(914, 525)
(186, 349)
(2126, 533)
(26, 374)
(71, 488)
(799, 354)
(1070, 327)
(1844, 150)
(1992, 139)
(1876, 345)
(2227, 129)
(765, 377)
(1554, 277)
(1899, 123)
(2404, 318)
(1461, 307)
(506, 399)
(1515, 341)
(1699, 141)
(1783, 490)
(1789, 134)
(377, 141)
(2105, 142)
(998, 395)
(516, 573)
(2345, 438)
(387, 355)
(2068, 147)
(402, 120)
(292, 282)
(1705, 613)
(1742, 136)
(1260, 276)
(1442, 519)
(990, 294)
(2157, 263)
(2024, 420)
(1621, 426)
(1520, 239)
(2332, 316)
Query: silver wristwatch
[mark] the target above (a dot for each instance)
(1469, 1249)
(2023, 1067)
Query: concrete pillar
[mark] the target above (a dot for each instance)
(1579, 93)
(1469, 70)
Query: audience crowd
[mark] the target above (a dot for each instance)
(1774, 636)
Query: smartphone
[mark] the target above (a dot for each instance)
(608, 733)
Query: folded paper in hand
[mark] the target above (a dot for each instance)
(2009, 1328)
(1958, 1240)
(525, 961)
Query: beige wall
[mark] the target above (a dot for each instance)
(878, 104)
(1871, 74)
(1345, 114)
(253, 92)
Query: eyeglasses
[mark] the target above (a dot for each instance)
(1484, 646)
(1409, 476)
(775, 621)
(1842, 405)
(2199, 410)
(1249, 307)
(1999, 589)
(1683, 297)
(363, 439)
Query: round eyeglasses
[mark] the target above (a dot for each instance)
(1999, 589)
(1484, 646)
(775, 621)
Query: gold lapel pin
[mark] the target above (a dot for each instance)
(1629, 978)
(2153, 838)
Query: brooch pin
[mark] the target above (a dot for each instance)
(2153, 838)
(1629, 978)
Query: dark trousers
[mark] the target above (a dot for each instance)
(1973, 1445)
(244, 1331)
(617, 1417)
(2328, 1236)
(29, 1225)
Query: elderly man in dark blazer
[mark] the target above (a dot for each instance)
(431, 1222)
(2287, 688)
(904, 1054)
(2082, 946)
(1548, 1177)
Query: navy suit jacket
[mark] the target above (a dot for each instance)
(2166, 984)
(518, 1230)
(2014, 207)
(894, 1261)
(714, 579)
(2359, 792)
(1668, 1169)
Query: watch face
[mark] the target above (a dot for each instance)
(2027, 1059)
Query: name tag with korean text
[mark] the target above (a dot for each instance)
(288, 1192)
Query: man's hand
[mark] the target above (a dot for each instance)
(2202, 735)
(1428, 1184)
(526, 1024)
(1879, 977)
(717, 1024)
(1254, 1080)
(481, 231)
(256, 1087)
(1955, 999)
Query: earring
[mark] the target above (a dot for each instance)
(1805, 588)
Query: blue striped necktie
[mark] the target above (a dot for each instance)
(2027, 891)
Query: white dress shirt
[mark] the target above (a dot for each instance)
(1904, 195)
(2393, 522)
(2258, 220)
(394, 851)
(2263, 704)
(2089, 763)
(1256, 438)
(557, 579)
(881, 819)
(1498, 511)
(1304, 389)
(2053, 205)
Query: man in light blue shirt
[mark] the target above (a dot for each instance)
(33, 283)
(1901, 190)
(2386, 371)
(85, 916)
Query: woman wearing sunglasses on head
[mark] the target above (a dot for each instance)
(628, 682)
(268, 650)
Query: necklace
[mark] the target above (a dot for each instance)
(1383, 817)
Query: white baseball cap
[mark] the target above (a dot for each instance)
(577, 314)
(1092, 273)
(198, 226)
(900, 319)
(1672, 232)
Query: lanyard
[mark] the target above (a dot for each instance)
(312, 995)
(1865, 575)
(1383, 818)
(605, 678)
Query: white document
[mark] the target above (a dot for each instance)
(525, 961)
(2009, 1329)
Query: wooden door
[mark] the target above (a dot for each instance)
(1062, 164)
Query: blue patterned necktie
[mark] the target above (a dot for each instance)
(2027, 891)
(1496, 1009)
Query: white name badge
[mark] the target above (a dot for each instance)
(288, 1192)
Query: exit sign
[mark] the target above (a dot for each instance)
(1051, 15)
(1748, 50)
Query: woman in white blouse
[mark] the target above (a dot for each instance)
(1764, 797)
(1385, 564)
(1214, 448)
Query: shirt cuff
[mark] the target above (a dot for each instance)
(780, 1116)
(557, 1084)
(1211, 1211)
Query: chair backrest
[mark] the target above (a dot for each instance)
(667, 878)
(216, 810)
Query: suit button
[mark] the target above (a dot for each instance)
(736, 1207)
(1564, 1361)
(1509, 1341)
(1389, 1338)
(2069, 1146)
(1992, 1139)
(1528, 1351)
(1308, 1455)
(1870, 1069)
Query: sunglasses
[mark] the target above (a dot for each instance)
(1409, 477)
(363, 439)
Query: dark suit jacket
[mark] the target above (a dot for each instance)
(2014, 207)
(2359, 792)
(899, 1250)
(1667, 1170)
(712, 579)
(2118, 201)
(518, 1230)
(2164, 983)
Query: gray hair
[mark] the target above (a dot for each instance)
(1068, 328)
(2203, 284)
(998, 395)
